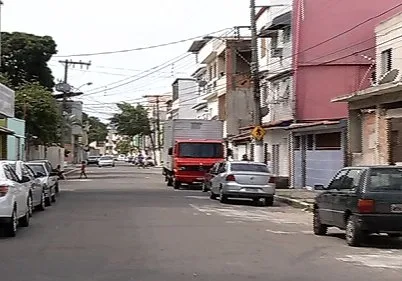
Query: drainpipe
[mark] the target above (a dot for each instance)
(296, 21)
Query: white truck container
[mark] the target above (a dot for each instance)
(187, 130)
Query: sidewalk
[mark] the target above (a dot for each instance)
(299, 198)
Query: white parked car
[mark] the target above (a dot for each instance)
(105, 161)
(15, 201)
(121, 157)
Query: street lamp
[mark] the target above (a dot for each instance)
(86, 84)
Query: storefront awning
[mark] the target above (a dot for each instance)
(5, 131)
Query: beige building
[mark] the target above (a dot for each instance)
(375, 114)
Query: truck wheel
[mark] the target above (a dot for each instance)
(176, 185)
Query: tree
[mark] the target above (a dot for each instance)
(124, 146)
(97, 129)
(24, 59)
(132, 120)
(36, 105)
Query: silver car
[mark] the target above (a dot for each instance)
(241, 179)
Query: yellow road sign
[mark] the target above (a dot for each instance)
(258, 133)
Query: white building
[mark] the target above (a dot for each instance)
(275, 59)
(201, 107)
(184, 97)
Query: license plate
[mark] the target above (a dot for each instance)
(396, 208)
(248, 190)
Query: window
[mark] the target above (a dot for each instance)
(328, 141)
(263, 47)
(382, 179)
(244, 167)
(201, 150)
(9, 173)
(286, 34)
(337, 181)
(38, 168)
(386, 61)
(352, 179)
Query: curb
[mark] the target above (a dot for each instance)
(295, 203)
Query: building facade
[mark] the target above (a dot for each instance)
(375, 113)
(184, 97)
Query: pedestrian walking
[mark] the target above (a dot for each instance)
(83, 170)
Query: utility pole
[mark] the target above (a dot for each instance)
(67, 63)
(258, 147)
(157, 127)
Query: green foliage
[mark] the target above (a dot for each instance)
(41, 112)
(124, 146)
(97, 129)
(24, 59)
(132, 120)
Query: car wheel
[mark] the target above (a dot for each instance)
(42, 205)
(24, 221)
(11, 227)
(212, 195)
(318, 227)
(269, 201)
(354, 235)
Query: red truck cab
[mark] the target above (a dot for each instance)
(192, 159)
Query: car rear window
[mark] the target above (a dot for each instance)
(249, 167)
(106, 158)
(383, 179)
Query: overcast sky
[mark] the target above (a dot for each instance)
(89, 26)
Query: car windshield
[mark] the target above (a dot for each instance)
(245, 167)
(383, 179)
(106, 158)
(201, 150)
(38, 168)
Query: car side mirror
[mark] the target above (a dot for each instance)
(319, 187)
(170, 151)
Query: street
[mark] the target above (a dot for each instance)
(124, 223)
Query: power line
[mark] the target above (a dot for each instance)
(143, 48)
(160, 66)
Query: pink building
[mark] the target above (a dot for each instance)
(333, 55)
(327, 70)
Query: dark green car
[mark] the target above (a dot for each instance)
(362, 201)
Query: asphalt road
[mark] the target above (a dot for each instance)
(124, 224)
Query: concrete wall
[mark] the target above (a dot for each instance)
(279, 137)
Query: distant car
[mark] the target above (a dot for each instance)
(121, 157)
(15, 201)
(362, 201)
(48, 179)
(149, 162)
(105, 161)
(93, 160)
(241, 179)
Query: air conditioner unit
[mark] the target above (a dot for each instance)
(277, 53)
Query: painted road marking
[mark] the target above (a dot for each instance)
(391, 259)
(255, 215)
(198, 197)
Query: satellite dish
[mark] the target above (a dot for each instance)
(389, 77)
(264, 110)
